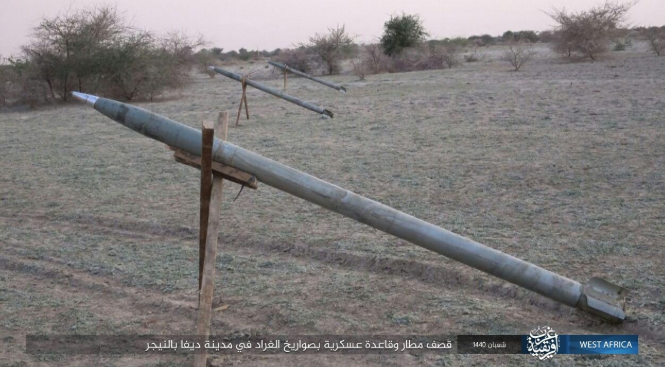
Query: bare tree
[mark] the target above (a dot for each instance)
(182, 46)
(518, 54)
(331, 46)
(588, 32)
(67, 46)
(359, 69)
(204, 59)
(428, 56)
(374, 59)
(656, 38)
(451, 55)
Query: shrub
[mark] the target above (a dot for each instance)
(620, 45)
(518, 54)
(8, 78)
(588, 32)
(656, 38)
(141, 66)
(204, 59)
(331, 47)
(93, 51)
(487, 39)
(16, 86)
(471, 58)
(400, 32)
(527, 36)
(374, 60)
(451, 56)
(427, 56)
(244, 55)
(546, 36)
(407, 60)
(452, 47)
(296, 59)
(359, 69)
(430, 57)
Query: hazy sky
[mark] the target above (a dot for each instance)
(283, 23)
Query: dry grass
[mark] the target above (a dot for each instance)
(561, 165)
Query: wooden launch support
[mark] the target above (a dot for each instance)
(213, 175)
(243, 99)
(285, 77)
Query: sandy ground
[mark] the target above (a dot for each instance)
(561, 164)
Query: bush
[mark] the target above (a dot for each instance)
(546, 36)
(471, 58)
(359, 69)
(518, 54)
(430, 57)
(487, 39)
(451, 56)
(452, 47)
(407, 60)
(16, 88)
(621, 44)
(331, 47)
(427, 56)
(296, 59)
(401, 32)
(8, 78)
(93, 51)
(206, 58)
(374, 60)
(588, 33)
(656, 38)
(244, 55)
(527, 36)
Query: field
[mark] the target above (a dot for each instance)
(561, 164)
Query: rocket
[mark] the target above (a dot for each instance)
(598, 296)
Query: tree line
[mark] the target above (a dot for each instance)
(95, 51)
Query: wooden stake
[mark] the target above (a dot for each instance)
(207, 137)
(244, 93)
(285, 80)
(243, 99)
(207, 286)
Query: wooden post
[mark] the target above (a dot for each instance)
(243, 99)
(285, 79)
(208, 281)
(207, 136)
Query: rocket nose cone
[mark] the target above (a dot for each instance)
(89, 99)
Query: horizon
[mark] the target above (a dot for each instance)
(364, 19)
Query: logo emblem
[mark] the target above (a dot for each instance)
(542, 342)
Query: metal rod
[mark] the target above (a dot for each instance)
(593, 297)
(274, 92)
(305, 75)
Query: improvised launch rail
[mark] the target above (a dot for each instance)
(274, 92)
(598, 296)
(305, 75)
